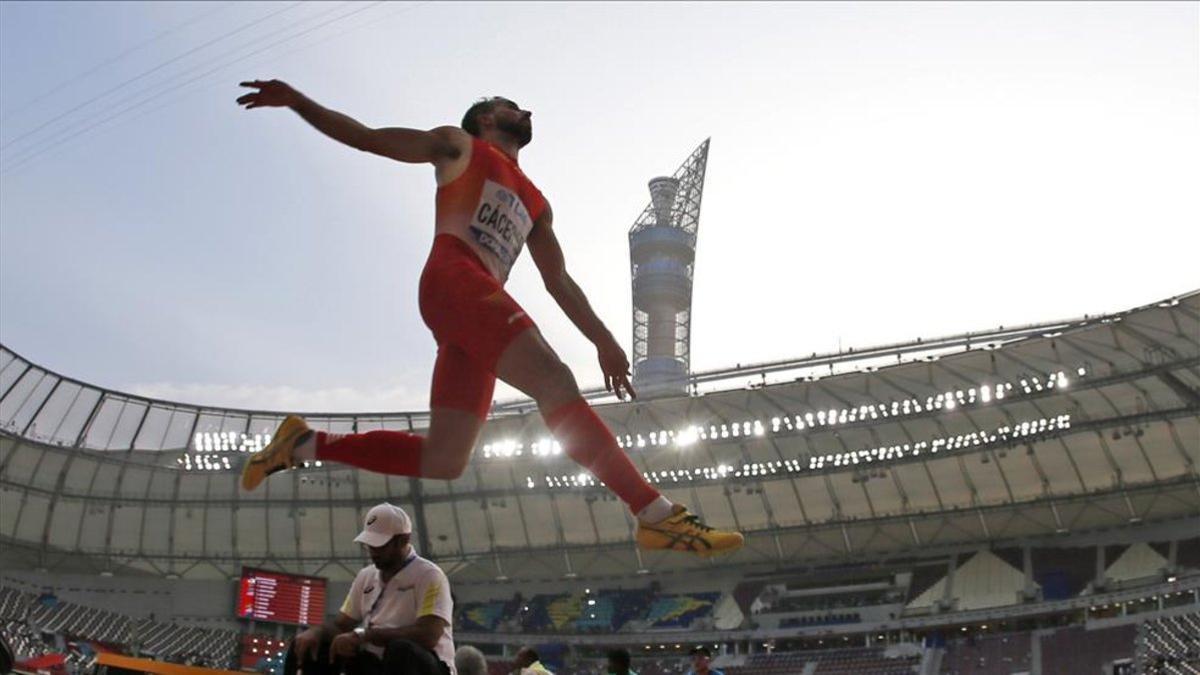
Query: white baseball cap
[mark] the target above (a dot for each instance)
(384, 522)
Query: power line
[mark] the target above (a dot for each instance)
(88, 123)
(272, 59)
(28, 157)
(148, 72)
(113, 59)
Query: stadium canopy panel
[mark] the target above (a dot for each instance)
(1012, 434)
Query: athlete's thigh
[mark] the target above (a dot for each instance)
(530, 364)
(460, 399)
(461, 382)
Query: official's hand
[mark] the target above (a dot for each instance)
(344, 645)
(615, 366)
(270, 94)
(306, 643)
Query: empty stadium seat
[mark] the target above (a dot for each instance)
(1170, 644)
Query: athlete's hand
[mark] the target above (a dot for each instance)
(308, 641)
(270, 94)
(345, 646)
(615, 366)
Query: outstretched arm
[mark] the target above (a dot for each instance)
(548, 256)
(437, 146)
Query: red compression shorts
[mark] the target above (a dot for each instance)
(473, 320)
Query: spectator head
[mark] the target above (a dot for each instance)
(470, 661)
(526, 656)
(700, 659)
(618, 662)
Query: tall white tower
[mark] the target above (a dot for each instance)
(662, 253)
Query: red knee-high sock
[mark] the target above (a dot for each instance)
(391, 452)
(590, 443)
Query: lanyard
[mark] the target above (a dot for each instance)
(370, 612)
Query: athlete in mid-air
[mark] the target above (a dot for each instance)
(487, 210)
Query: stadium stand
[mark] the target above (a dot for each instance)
(1040, 478)
(15, 604)
(189, 644)
(550, 613)
(23, 642)
(609, 610)
(1078, 650)
(848, 661)
(642, 666)
(25, 616)
(821, 620)
(262, 653)
(995, 654)
(867, 660)
(1170, 644)
(600, 610)
(75, 620)
(485, 616)
(771, 664)
(679, 611)
(1162, 639)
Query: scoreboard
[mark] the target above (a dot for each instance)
(283, 598)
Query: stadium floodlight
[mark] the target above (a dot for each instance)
(687, 437)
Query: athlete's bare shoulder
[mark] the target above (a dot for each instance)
(452, 134)
(455, 162)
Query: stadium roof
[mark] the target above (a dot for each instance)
(1010, 434)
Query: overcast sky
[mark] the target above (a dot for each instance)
(878, 172)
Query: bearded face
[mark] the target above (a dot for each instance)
(510, 120)
(517, 125)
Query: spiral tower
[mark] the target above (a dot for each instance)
(662, 252)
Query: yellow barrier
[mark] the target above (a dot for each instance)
(157, 667)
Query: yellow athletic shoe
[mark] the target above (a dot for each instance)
(683, 531)
(277, 456)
